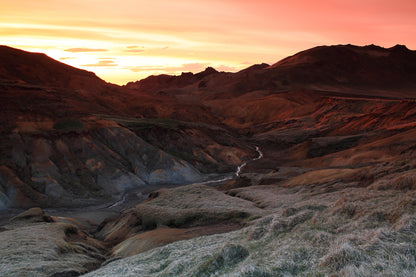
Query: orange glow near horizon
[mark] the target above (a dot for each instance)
(128, 40)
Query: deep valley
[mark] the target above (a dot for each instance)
(98, 179)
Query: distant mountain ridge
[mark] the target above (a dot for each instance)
(323, 67)
(387, 72)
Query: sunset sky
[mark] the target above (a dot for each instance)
(128, 40)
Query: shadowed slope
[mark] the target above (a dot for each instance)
(38, 69)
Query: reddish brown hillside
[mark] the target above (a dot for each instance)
(315, 156)
(369, 70)
(318, 102)
(262, 94)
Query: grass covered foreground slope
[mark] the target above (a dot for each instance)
(354, 219)
(343, 233)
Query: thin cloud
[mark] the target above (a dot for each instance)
(80, 50)
(66, 58)
(133, 50)
(227, 68)
(104, 63)
(134, 46)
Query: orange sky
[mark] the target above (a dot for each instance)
(126, 40)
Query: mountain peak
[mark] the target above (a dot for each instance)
(400, 48)
(208, 71)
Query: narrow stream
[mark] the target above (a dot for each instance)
(240, 167)
(227, 178)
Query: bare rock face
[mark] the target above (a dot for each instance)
(15, 193)
(99, 163)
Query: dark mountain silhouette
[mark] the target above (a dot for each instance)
(155, 83)
(38, 69)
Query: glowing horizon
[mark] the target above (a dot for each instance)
(125, 41)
